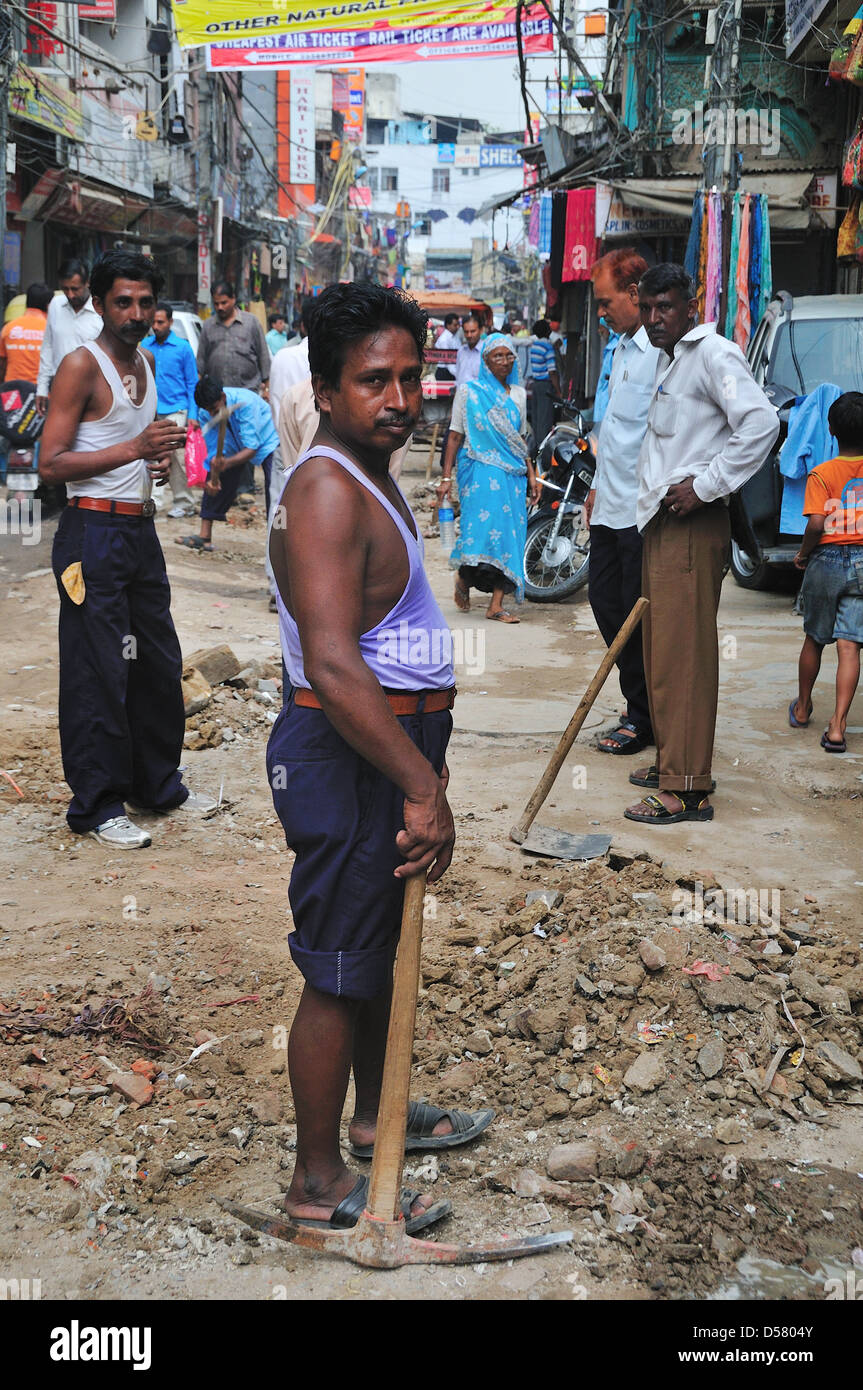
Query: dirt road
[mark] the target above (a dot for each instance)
(103, 1198)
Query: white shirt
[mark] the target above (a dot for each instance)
(633, 374)
(467, 364)
(707, 420)
(128, 482)
(65, 330)
(448, 341)
(289, 365)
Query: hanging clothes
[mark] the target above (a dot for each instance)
(742, 330)
(580, 245)
(755, 262)
(558, 237)
(533, 225)
(702, 261)
(733, 258)
(809, 443)
(766, 262)
(714, 265)
(690, 260)
(544, 247)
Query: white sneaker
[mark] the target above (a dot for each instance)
(199, 802)
(120, 833)
(182, 511)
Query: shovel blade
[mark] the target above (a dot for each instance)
(558, 844)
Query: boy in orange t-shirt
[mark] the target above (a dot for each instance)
(21, 338)
(832, 556)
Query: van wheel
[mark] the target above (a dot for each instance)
(748, 573)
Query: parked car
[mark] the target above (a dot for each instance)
(798, 344)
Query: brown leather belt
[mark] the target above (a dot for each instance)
(407, 702)
(108, 504)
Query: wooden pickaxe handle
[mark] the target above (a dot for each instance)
(546, 781)
(389, 1151)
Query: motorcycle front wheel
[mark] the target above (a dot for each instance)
(554, 570)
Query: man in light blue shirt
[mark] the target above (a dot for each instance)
(176, 379)
(469, 358)
(250, 437)
(277, 337)
(615, 542)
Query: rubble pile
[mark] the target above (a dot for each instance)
(225, 702)
(624, 987)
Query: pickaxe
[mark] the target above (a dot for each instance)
(379, 1239)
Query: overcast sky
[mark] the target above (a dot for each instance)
(486, 88)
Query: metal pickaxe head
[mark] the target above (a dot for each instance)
(386, 1244)
(221, 415)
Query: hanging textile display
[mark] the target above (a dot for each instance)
(852, 159)
(846, 50)
(739, 277)
(732, 266)
(713, 277)
(849, 240)
(580, 243)
(533, 226)
(558, 237)
(544, 246)
(693, 245)
(731, 303)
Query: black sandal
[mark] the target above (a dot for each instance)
(422, 1119)
(623, 746)
(351, 1208)
(692, 808)
(650, 779)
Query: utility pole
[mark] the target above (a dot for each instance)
(204, 179)
(720, 157)
(5, 79)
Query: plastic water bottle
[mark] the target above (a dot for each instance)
(446, 522)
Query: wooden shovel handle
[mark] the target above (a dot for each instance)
(389, 1152)
(546, 781)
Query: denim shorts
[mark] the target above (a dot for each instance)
(832, 594)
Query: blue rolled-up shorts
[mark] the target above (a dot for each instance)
(341, 816)
(831, 594)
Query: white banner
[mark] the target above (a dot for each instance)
(302, 132)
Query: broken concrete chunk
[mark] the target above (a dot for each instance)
(573, 1162)
(132, 1087)
(711, 1058)
(646, 1073)
(216, 664)
(833, 1063)
(653, 956)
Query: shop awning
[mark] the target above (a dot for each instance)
(785, 194)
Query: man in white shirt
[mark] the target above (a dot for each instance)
(709, 429)
(71, 322)
(291, 364)
(469, 359)
(615, 541)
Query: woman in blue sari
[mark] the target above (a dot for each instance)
(494, 473)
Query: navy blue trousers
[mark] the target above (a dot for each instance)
(121, 702)
(341, 817)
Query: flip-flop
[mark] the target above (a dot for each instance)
(794, 721)
(635, 744)
(502, 617)
(650, 779)
(461, 597)
(658, 814)
(193, 543)
(422, 1119)
(351, 1208)
(830, 746)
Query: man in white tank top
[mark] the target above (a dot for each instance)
(357, 756)
(121, 702)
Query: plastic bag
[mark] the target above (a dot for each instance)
(196, 456)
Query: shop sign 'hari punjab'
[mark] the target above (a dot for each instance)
(214, 21)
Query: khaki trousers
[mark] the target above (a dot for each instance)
(683, 565)
(177, 479)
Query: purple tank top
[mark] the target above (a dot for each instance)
(411, 648)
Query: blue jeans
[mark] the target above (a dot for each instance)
(832, 594)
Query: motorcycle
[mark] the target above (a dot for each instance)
(557, 548)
